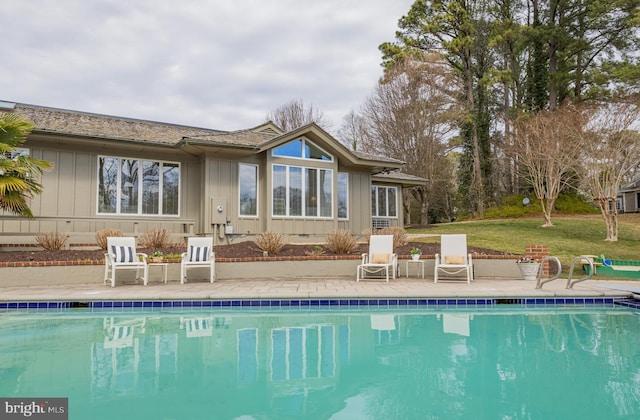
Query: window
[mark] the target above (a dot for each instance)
(247, 364)
(248, 176)
(384, 201)
(302, 149)
(299, 191)
(303, 352)
(15, 154)
(134, 186)
(343, 195)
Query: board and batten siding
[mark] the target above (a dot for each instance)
(69, 197)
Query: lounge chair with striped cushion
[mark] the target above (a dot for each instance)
(121, 255)
(199, 255)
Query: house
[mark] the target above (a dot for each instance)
(136, 175)
(628, 200)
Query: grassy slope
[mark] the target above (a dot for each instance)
(569, 237)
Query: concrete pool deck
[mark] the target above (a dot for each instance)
(321, 287)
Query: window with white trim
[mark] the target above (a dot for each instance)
(15, 154)
(303, 352)
(248, 189)
(138, 186)
(384, 201)
(343, 195)
(302, 192)
(247, 349)
(302, 149)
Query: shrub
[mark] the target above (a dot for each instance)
(512, 206)
(270, 242)
(366, 234)
(102, 235)
(341, 242)
(51, 241)
(504, 212)
(400, 237)
(568, 204)
(155, 238)
(316, 251)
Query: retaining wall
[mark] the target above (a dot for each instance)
(87, 272)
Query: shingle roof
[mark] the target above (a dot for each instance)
(401, 177)
(85, 124)
(76, 123)
(234, 138)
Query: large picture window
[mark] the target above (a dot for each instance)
(303, 352)
(384, 202)
(299, 191)
(248, 175)
(136, 186)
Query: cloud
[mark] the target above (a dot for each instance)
(222, 64)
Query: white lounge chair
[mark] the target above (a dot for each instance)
(199, 255)
(453, 258)
(121, 255)
(456, 324)
(383, 322)
(380, 258)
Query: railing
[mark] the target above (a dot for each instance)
(570, 280)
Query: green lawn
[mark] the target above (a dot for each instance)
(569, 237)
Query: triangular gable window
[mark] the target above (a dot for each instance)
(302, 149)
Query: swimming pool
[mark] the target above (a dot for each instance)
(328, 362)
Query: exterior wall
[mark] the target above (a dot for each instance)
(359, 202)
(630, 201)
(220, 175)
(222, 187)
(502, 267)
(68, 202)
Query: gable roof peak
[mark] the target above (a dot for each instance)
(267, 128)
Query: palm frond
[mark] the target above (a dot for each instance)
(19, 174)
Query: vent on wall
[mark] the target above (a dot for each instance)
(379, 223)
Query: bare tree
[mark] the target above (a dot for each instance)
(296, 114)
(352, 130)
(612, 155)
(411, 116)
(548, 150)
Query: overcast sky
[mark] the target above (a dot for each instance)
(220, 64)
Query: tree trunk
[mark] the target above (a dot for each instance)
(424, 212)
(476, 187)
(406, 208)
(610, 218)
(547, 206)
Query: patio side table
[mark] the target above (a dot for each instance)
(419, 266)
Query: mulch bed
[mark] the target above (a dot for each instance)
(245, 249)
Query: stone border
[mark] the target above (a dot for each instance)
(55, 273)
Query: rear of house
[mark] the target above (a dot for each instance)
(135, 175)
(628, 200)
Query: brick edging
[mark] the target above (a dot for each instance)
(244, 259)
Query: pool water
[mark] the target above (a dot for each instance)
(506, 363)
